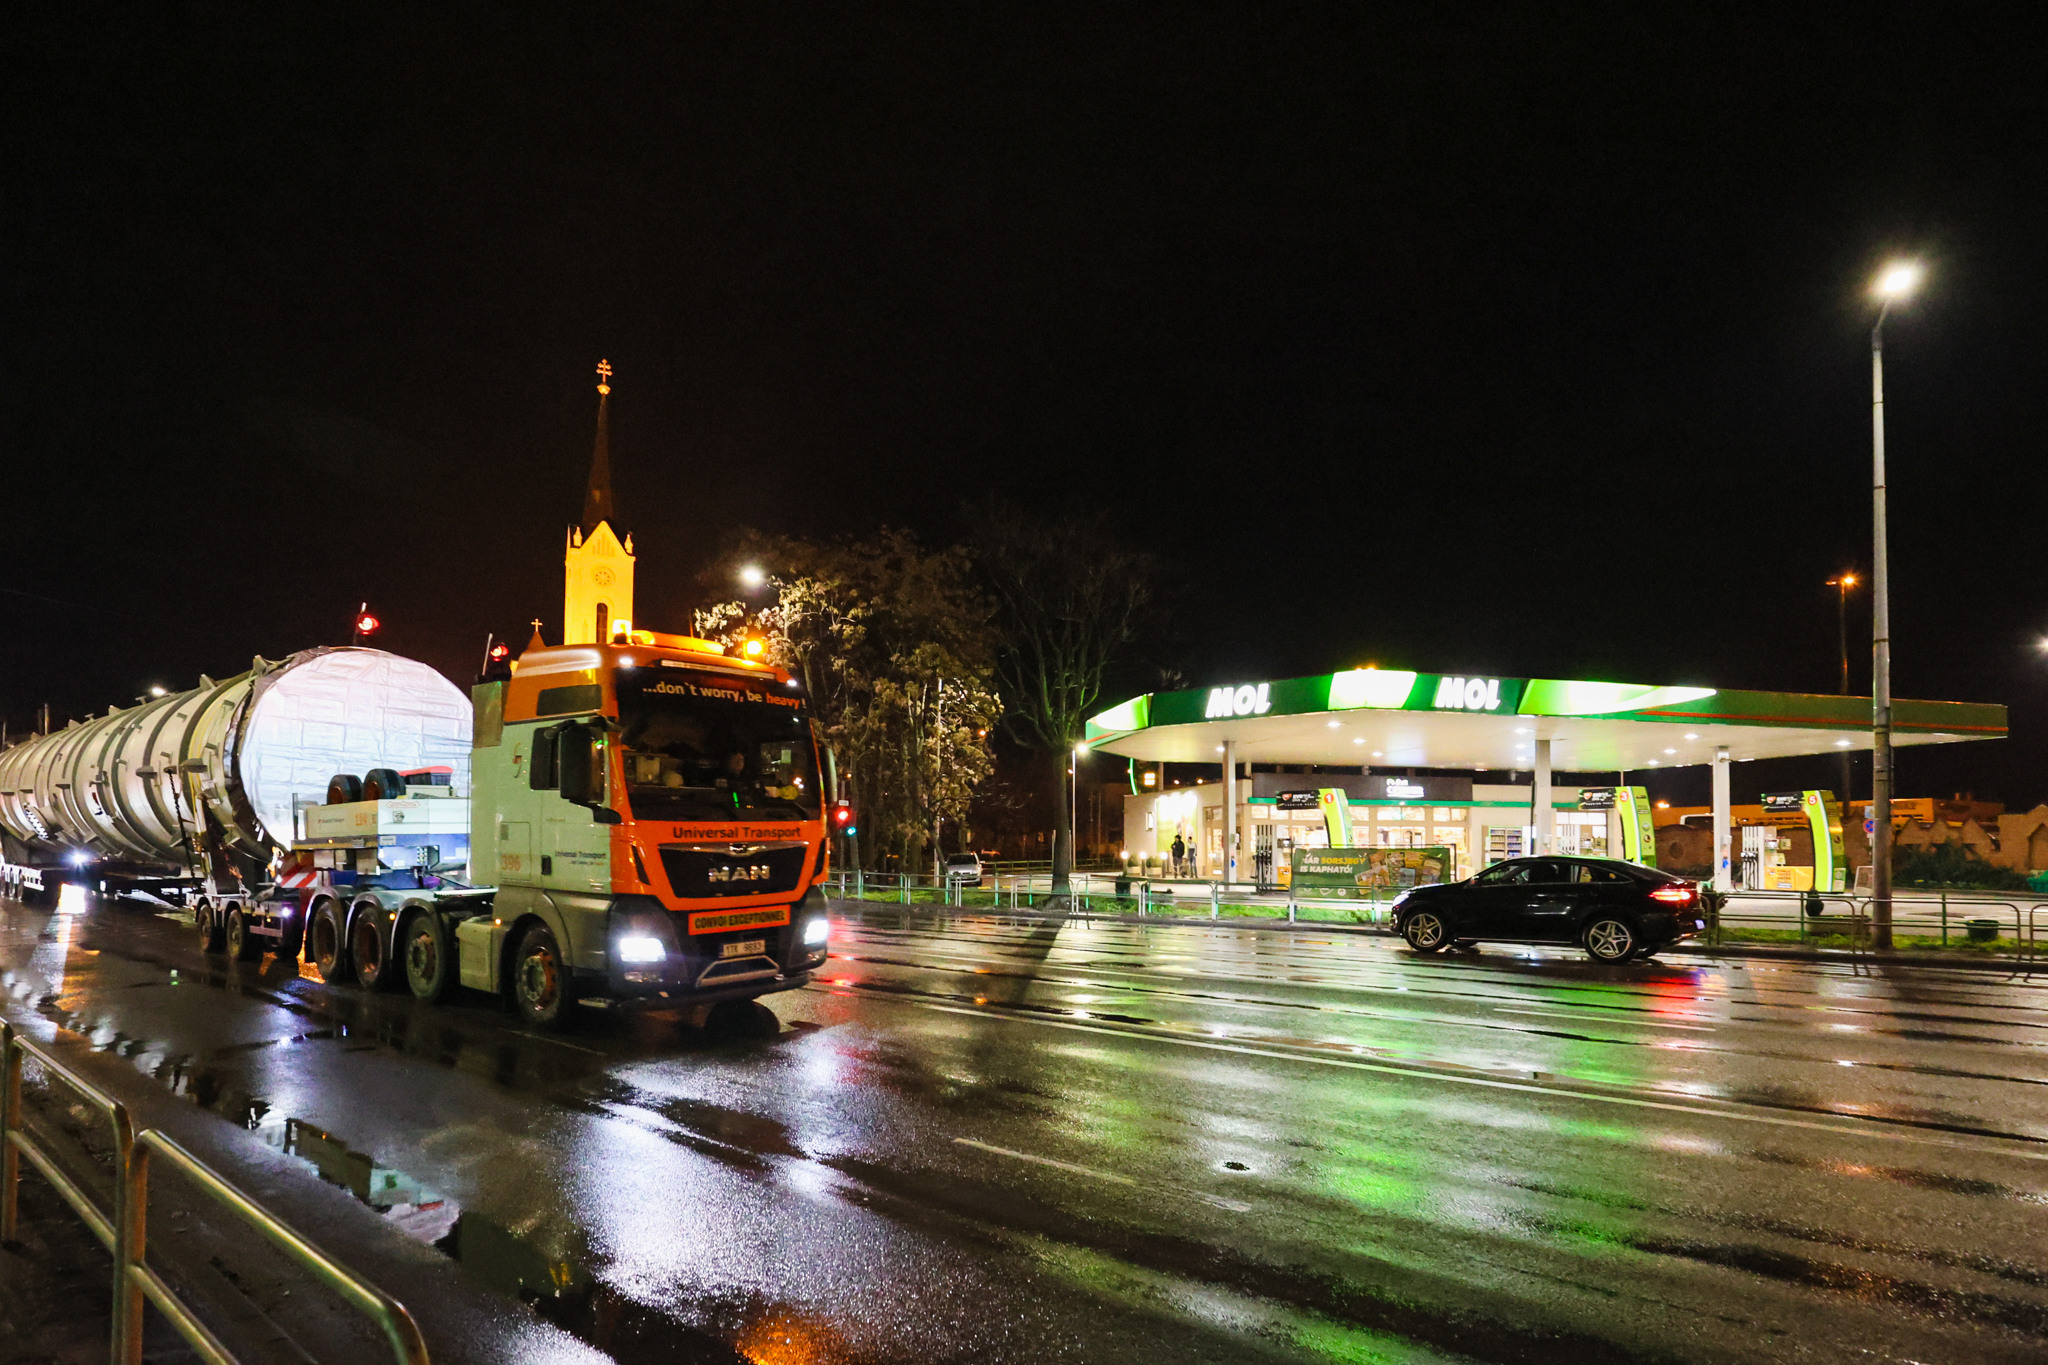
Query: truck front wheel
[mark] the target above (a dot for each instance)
(539, 983)
(424, 944)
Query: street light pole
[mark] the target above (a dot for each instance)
(1844, 582)
(1895, 284)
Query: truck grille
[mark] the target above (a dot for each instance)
(699, 872)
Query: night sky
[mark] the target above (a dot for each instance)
(1522, 340)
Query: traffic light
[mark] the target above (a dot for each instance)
(843, 820)
(366, 623)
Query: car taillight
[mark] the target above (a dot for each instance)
(1672, 894)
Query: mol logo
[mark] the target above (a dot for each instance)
(1249, 700)
(1467, 694)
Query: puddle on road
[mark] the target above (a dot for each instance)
(565, 1292)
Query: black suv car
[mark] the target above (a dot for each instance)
(1612, 909)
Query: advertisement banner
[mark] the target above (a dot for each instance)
(1347, 873)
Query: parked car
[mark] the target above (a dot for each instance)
(964, 868)
(1612, 909)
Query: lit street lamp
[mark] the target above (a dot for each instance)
(1844, 582)
(1895, 285)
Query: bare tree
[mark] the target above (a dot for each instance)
(1068, 594)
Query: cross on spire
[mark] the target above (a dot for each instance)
(597, 498)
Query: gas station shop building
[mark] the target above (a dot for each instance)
(1377, 726)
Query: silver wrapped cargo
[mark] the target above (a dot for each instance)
(235, 760)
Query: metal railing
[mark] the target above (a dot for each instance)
(16, 1142)
(1942, 917)
(125, 1231)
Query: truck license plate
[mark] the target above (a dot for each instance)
(745, 948)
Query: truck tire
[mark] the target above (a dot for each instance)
(242, 945)
(423, 947)
(383, 784)
(328, 948)
(343, 788)
(208, 924)
(368, 950)
(539, 983)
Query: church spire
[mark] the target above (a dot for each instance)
(597, 501)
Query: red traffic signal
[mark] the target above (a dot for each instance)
(366, 624)
(842, 816)
(501, 651)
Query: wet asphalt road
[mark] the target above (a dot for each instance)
(988, 1140)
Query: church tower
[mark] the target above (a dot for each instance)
(597, 587)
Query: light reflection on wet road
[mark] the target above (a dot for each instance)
(987, 1140)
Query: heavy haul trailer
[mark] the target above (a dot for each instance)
(192, 795)
(649, 818)
(644, 823)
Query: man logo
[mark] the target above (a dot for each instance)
(1467, 694)
(1248, 700)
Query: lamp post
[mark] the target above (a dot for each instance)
(1844, 582)
(1895, 285)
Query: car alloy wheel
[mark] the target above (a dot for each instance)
(1610, 940)
(1424, 932)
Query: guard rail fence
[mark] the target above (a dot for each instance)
(1939, 918)
(124, 1230)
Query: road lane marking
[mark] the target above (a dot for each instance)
(1231, 1204)
(1987, 1145)
(1606, 1019)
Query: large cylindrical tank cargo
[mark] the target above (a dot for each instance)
(233, 761)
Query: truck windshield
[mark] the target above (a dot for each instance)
(702, 745)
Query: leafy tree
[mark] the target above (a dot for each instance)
(1068, 594)
(895, 649)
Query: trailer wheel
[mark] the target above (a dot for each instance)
(383, 784)
(242, 945)
(330, 949)
(423, 943)
(539, 981)
(209, 926)
(366, 950)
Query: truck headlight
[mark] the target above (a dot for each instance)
(641, 948)
(815, 932)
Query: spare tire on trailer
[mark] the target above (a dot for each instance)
(343, 788)
(383, 784)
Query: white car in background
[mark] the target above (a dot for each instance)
(964, 868)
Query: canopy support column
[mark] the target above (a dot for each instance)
(1723, 822)
(1229, 868)
(1541, 816)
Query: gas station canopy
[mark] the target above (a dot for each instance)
(1392, 718)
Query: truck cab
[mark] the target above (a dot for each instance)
(645, 824)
